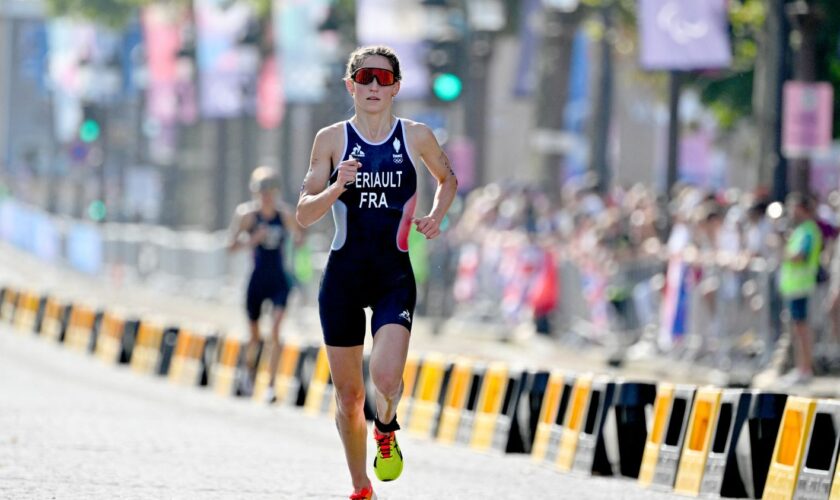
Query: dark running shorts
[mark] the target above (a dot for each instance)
(266, 286)
(388, 289)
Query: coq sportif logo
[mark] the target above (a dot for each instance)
(357, 152)
(398, 157)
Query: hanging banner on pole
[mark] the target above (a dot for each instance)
(807, 117)
(306, 51)
(220, 26)
(684, 34)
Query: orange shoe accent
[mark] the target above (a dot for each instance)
(364, 494)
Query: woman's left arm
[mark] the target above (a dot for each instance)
(438, 165)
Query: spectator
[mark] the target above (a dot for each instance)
(797, 281)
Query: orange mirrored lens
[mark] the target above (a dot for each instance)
(365, 76)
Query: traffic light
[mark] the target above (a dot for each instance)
(446, 86)
(445, 62)
(90, 129)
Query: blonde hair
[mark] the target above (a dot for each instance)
(263, 179)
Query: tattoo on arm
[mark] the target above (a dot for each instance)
(445, 162)
(306, 178)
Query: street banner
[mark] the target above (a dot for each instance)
(305, 51)
(807, 118)
(684, 34)
(222, 65)
(170, 93)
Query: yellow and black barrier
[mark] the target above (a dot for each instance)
(146, 352)
(27, 310)
(701, 428)
(224, 375)
(721, 476)
(55, 320)
(286, 384)
(425, 405)
(320, 394)
(665, 441)
(591, 455)
(820, 457)
(457, 391)
(186, 365)
(8, 304)
(80, 328)
(109, 341)
(410, 374)
(573, 422)
(556, 392)
(496, 404)
(789, 449)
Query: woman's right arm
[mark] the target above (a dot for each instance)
(316, 196)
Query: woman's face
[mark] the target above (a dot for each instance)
(373, 97)
(268, 197)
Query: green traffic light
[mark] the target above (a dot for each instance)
(97, 210)
(89, 131)
(447, 87)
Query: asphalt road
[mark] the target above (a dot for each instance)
(72, 427)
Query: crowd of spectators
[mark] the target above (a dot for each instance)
(695, 275)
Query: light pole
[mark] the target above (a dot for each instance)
(805, 20)
(598, 158)
(558, 26)
(485, 19)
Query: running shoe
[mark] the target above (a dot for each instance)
(270, 397)
(364, 494)
(388, 463)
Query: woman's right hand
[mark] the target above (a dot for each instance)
(346, 173)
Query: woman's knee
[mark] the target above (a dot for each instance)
(387, 383)
(350, 399)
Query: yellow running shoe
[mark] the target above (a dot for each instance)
(388, 463)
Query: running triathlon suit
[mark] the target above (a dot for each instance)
(268, 279)
(368, 265)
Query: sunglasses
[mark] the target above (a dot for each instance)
(365, 76)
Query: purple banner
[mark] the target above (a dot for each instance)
(684, 34)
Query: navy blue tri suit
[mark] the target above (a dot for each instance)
(368, 265)
(268, 279)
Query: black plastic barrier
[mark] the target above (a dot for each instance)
(129, 339)
(528, 409)
(167, 348)
(625, 429)
(754, 447)
(208, 357)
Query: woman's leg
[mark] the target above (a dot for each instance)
(346, 371)
(387, 363)
(275, 344)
